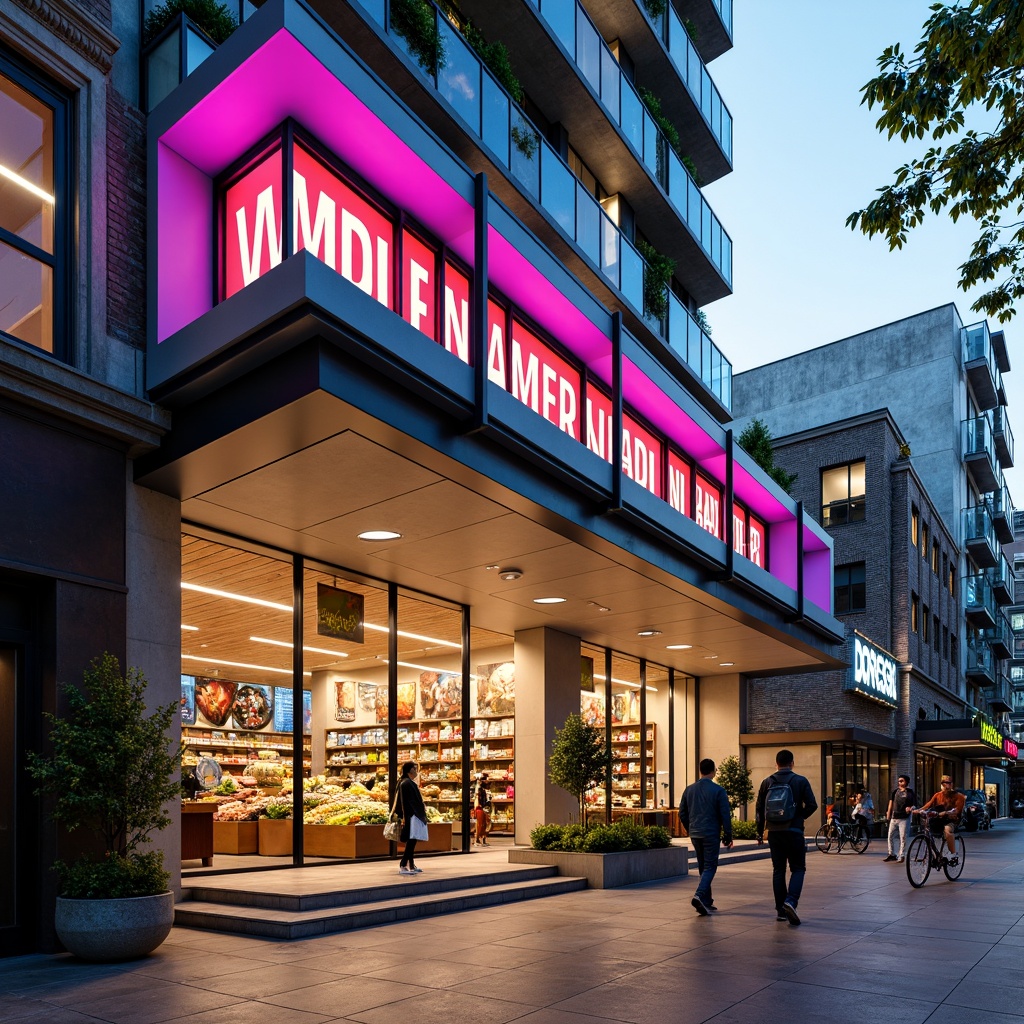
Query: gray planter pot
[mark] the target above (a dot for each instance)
(108, 930)
(610, 870)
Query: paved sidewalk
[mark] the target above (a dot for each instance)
(870, 948)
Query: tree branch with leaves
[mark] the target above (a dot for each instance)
(967, 67)
(579, 760)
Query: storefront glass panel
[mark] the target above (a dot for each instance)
(851, 767)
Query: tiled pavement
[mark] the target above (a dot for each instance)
(870, 948)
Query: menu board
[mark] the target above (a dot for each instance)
(283, 705)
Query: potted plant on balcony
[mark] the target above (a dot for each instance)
(111, 772)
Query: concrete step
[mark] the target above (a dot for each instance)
(416, 900)
(333, 897)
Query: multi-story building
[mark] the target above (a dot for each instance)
(941, 385)
(354, 388)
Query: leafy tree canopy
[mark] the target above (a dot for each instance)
(579, 759)
(965, 70)
(734, 778)
(756, 441)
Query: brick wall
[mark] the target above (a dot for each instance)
(126, 221)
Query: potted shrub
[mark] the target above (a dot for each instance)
(111, 771)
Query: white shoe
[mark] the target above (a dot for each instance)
(406, 871)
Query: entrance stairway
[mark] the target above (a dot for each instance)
(299, 903)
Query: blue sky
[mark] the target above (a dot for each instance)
(806, 154)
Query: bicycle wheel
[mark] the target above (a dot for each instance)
(823, 839)
(955, 869)
(919, 861)
(861, 840)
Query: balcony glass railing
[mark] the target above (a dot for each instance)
(978, 596)
(1001, 503)
(1002, 578)
(472, 92)
(978, 528)
(692, 71)
(977, 345)
(581, 40)
(978, 441)
(1001, 428)
(1000, 635)
(724, 8)
(980, 661)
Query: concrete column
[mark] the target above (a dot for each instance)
(547, 692)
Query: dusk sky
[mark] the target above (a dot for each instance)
(807, 154)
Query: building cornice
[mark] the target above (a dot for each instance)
(63, 393)
(78, 29)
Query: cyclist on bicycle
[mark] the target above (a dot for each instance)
(946, 807)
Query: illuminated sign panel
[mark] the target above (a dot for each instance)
(403, 269)
(991, 736)
(1009, 748)
(874, 672)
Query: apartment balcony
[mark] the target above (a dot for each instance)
(1003, 516)
(980, 609)
(1000, 638)
(1003, 437)
(713, 21)
(998, 696)
(979, 453)
(980, 365)
(610, 128)
(980, 541)
(667, 62)
(999, 351)
(1002, 582)
(980, 662)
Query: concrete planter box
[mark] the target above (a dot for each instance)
(237, 837)
(610, 870)
(110, 930)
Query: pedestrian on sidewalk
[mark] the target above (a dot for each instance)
(897, 815)
(705, 814)
(414, 817)
(784, 801)
(481, 810)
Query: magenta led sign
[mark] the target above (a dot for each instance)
(391, 258)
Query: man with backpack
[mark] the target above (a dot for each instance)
(784, 802)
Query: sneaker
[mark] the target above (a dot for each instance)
(780, 917)
(711, 907)
(900, 860)
(415, 871)
(406, 871)
(698, 904)
(791, 915)
(892, 856)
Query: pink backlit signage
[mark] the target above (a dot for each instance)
(1009, 748)
(404, 268)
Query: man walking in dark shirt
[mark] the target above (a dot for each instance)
(785, 836)
(705, 814)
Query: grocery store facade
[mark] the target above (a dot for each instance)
(438, 375)
(401, 480)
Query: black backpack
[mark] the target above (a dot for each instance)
(779, 803)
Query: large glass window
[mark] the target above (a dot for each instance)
(849, 588)
(33, 208)
(842, 494)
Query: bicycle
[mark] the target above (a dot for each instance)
(927, 851)
(839, 834)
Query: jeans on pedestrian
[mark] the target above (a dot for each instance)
(898, 825)
(706, 850)
(787, 848)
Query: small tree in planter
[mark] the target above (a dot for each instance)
(579, 760)
(111, 772)
(734, 778)
(214, 18)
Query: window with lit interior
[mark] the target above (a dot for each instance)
(842, 494)
(33, 208)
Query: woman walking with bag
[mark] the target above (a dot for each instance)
(481, 809)
(414, 817)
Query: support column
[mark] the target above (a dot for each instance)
(547, 692)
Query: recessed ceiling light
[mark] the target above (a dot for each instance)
(510, 574)
(193, 629)
(379, 535)
(649, 632)
(710, 657)
(599, 607)
(490, 567)
(241, 664)
(284, 643)
(678, 647)
(727, 664)
(549, 600)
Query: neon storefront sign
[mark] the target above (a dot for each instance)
(874, 672)
(991, 736)
(393, 261)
